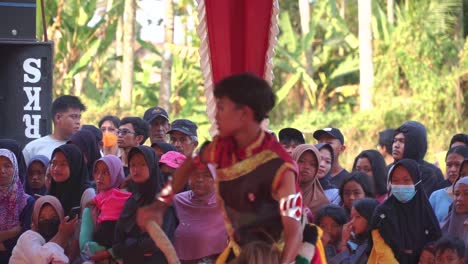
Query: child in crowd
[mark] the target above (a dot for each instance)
(356, 186)
(169, 162)
(98, 227)
(372, 163)
(356, 233)
(36, 175)
(428, 254)
(331, 219)
(450, 250)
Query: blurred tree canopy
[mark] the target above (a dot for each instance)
(420, 64)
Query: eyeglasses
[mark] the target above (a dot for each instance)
(124, 132)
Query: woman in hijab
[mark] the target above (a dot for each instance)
(372, 163)
(98, 226)
(15, 147)
(405, 222)
(86, 142)
(356, 233)
(69, 176)
(15, 205)
(131, 244)
(162, 148)
(456, 221)
(201, 234)
(324, 172)
(308, 160)
(356, 186)
(35, 182)
(47, 240)
(442, 199)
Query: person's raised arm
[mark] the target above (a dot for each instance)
(292, 226)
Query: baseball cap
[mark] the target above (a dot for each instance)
(154, 112)
(172, 159)
(331, 131)
(290, 133)
(184, 126)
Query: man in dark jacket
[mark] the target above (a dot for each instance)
(410, 142)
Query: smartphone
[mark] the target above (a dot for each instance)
(74, 212)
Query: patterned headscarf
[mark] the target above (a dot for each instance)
(13, 199)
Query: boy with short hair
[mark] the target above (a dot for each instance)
(450, 250)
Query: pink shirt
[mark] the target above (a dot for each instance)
(110, 203)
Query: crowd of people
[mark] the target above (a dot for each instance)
(84, 193)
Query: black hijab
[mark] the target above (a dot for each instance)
(15, 147)
(407, 226)
(326, 181)
(379, 169)
(165, 147)
(86, 142)
(143, 193)
(69, 192)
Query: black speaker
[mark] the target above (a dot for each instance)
(18, 19)
(25, 90)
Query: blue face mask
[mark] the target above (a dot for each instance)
(403, 193)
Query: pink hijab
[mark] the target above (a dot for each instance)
(13, 199)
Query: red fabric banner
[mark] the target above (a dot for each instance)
(238, 36)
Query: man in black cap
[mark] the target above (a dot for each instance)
(335, 138)
(158, 119)
(183, 136)
(290, 138)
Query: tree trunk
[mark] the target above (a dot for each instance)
(391, 11)
(128, 54)
(307, 58)
(166, 64)
(343, 9)
(366, 68)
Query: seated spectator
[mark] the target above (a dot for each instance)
(108, 126)
(308, 160)
(97, 134)
(66, 116)
(201, 234)
(259, 252)
(385, 144)
(48, 238)
(357, 186)
(372, 163)
(161, 147)
(98, 227)
(324, 173)
(158, 119)
(331, 218)
(86, 142)
(459, 140)
(456, 221)
(15, 205)
(442, 199)
(335, 138)
(15, 147)
(428, 254)
(35, 183)
(183, 135)
(290, 138)
(356, 233)
(410, 142)
(450, 250)
(169, 162)
(131, 244)
(69, 176)
(405, 222)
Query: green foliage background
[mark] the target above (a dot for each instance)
(420, 68)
